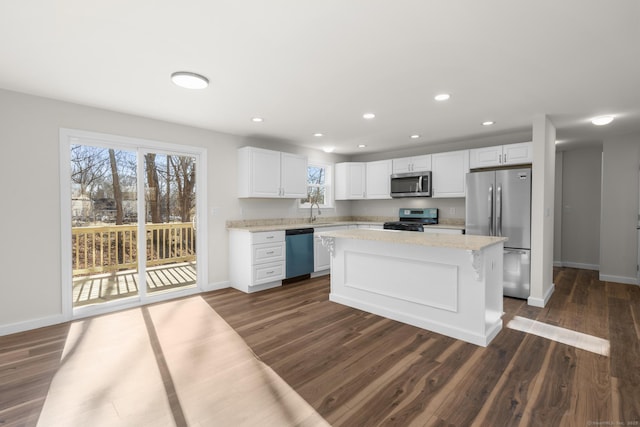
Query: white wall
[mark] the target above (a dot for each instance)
(542, 210)
(447, 208)
(580, 208)
(618, 241)
(557, 224)
(30, 213)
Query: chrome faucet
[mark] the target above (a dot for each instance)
(311, 217)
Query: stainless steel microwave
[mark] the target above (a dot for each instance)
(411, 184)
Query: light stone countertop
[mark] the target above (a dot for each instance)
(259, 228)
(455, 241)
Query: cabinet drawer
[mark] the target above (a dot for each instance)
(268, 252)
(267, 237)
(265, 273)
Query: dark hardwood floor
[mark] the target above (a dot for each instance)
(359, 369)
(574, 362)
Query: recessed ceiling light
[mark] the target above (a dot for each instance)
(488, 123)
(328, 149)
(318, 134)
(602, 120)
(257, 119)
(368, 116)
(361, 145)
(189, 80)
(442, 97)
(415, 136)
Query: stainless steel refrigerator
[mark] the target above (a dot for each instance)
(498, 203)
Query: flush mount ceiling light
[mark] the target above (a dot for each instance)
(257, 119)
(318, 134)
(414, 136)
(602, 120)
(488, 123)
(328, 149)
(442, 97)
(368, 116)
(189, 80)
(361, 145)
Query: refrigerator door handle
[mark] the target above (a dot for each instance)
(491, 210)
(499, 210)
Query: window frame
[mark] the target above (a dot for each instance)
(328, 184)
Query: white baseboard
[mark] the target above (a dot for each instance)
(320, 273)
(216, 286)
(541, 302)
(28, 325)
(580, 265)
(619, 279)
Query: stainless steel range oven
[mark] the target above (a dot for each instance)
(413, 219)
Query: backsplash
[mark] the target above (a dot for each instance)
(291, 221)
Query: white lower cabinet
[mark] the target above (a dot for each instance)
(256, 260)
(321, 255)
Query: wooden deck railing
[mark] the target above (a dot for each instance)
(100, 249)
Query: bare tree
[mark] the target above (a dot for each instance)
(153, 184)
(117, 191)
(185, 174)
(88, 167)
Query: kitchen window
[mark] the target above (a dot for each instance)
(319, 189)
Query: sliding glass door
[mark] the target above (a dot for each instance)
(133, 222)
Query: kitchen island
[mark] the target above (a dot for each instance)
(449, 284)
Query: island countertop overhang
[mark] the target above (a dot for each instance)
(454, 241)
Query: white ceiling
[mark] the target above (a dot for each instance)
(317, 66)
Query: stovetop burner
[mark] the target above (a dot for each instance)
(413, 219)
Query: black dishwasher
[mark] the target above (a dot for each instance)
(299, 244)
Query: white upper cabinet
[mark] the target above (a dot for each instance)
(516, 154)
(271, 174)
(448, 174)
(293, 175)
(350, 181)
(412, 164)
(501, 155)
(377, 179)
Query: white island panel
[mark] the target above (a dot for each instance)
(403, 279)
(448, 290)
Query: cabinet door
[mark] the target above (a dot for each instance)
(293, 176)
(377, 176)
(263, 173)
(350, 181)
(485, 157)
(449, 172)
(421, 163)
(402, 165)
(517, 154)
(357, 181)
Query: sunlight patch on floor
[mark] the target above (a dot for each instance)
(562, 335)
(206, 374)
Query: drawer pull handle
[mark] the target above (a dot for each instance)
(270, 237)
(270, 253)
(270, 272)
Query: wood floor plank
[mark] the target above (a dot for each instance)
(624, 360)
